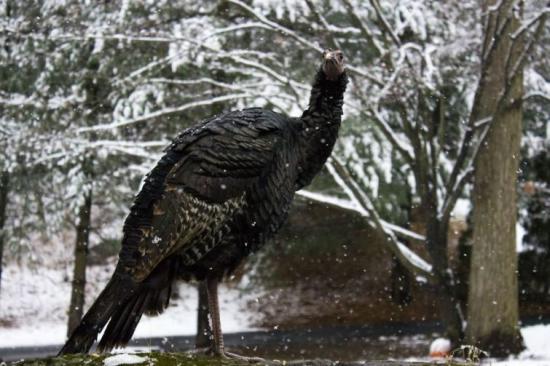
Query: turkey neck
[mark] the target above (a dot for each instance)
(320, 124)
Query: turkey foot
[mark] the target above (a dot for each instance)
(209, 351)
(234, 356)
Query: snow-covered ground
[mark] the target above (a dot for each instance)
(33, 307)
(537, 341)
(537, 352)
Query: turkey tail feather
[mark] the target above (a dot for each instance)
(123, 323)
(84, 335)
(147, 300)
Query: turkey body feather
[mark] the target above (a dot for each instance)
(222, 189)
(226, 183)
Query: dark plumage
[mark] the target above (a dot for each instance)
(221, 190)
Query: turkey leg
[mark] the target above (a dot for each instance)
(214, 308)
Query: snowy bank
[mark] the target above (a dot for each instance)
(33, 308)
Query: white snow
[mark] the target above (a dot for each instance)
(353, 206)
(37, 315)
(520, 233)
(537, 342)
(462, 209)
(124, 359)
(537, 353)
(414, 258)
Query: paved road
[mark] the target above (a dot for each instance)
(275, 340)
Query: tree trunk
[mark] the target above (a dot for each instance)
(449, 307)
(80, 259)
(493, 293)
(4, 186)
(204, 333)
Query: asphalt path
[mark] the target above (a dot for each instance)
(270, 340)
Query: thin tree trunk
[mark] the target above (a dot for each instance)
(449, 307)
(204, 333)
(80, 263)
(493, 293)
(4, 186)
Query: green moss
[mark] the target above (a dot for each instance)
(153, 358)
(186, 359)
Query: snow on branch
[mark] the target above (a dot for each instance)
(21, 101)
(365, 30)
(150, 66)
(278, 27)
(530, 23)
(125, 144)
(234, 28)
(236, 57)
(210, 81)
(280, 78)
(163, 112)
(321, 19)
(407, 258)
(385, 24)
(388, 132)
(352, 206)
(536, 94)
(414, 259)
(139, 38)
(453, 195)
(242, 87)
(526, 50)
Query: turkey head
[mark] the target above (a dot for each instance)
(333, 64)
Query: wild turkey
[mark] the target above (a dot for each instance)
(222, 189)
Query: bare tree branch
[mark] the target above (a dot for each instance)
(277, 27)
(314, 46)
(527, 49)
(531, 22)
(321, 20)
(473, 125)
(386, 28)
(164, 112)
(352, 206)
(533, 95)
(365, 31)
(390, 135)
(455, 193)
(406, 257)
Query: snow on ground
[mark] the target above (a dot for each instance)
(537, 341)
(34, 302)
(123, 359)
(537, 353)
